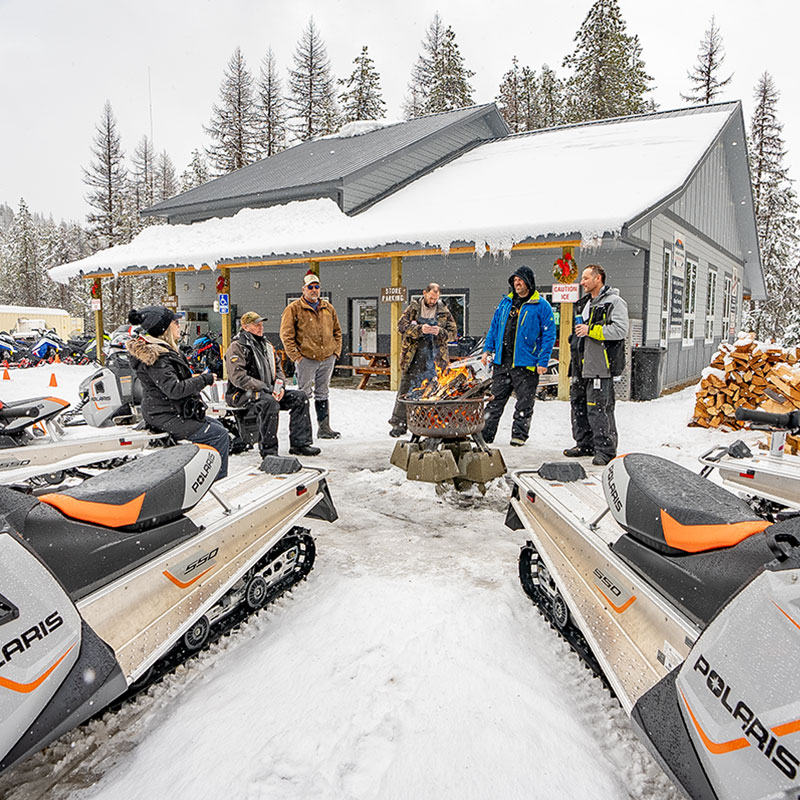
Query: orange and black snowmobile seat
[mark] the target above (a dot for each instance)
(674, 510)
(143, 493)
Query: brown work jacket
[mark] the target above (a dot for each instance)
(308, 333)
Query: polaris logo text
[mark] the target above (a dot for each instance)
(23, 642)
(203, 476)
(759, 734)
(612, 488)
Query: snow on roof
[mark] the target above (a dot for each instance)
(588, 179)
(33, 310)
(359, 127)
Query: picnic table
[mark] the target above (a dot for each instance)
(378, 365)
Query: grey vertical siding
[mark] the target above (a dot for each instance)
(708, 204)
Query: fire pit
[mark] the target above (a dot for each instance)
(446, 446)
(445, 419)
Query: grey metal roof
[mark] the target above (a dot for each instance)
(317, 167)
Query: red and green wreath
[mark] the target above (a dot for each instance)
(96, 287)
(565, 270)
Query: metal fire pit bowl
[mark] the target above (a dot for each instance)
(445, 419)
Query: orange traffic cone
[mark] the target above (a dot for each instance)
(53, 381)
(57, 359)
(6, 376)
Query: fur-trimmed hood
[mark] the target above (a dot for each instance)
(148, 349)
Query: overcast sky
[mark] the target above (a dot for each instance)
(60, 62)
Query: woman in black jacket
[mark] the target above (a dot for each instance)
(171, 392)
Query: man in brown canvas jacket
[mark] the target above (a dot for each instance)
(312, 338)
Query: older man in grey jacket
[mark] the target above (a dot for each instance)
(597, 355)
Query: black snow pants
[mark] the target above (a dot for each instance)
(420, 367)
(592, 403)
(296, 403)
(523, 382)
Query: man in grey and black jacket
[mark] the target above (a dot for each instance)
(597, 355)
(255, 377)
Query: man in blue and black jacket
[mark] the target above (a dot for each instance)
(519, 344)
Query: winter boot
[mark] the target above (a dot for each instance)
(324, 430)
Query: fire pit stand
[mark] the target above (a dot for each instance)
(446, 445)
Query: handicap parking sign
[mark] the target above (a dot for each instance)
(224, 304)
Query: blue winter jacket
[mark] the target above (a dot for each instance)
(536, 332)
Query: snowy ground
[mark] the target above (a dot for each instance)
(409, 665)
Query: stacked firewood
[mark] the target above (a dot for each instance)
(750, 374)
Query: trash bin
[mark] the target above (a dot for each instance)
(647, 372)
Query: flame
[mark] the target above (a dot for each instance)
(449, 383)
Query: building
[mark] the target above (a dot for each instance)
(662, 200)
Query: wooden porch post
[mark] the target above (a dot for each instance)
(99, 337)
(314, 267)
(171, 288)
(564, 331)
(396, 309)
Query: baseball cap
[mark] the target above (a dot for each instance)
(250, 317)
(310, 278)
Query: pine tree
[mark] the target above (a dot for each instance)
(550, 93)
(271, 110)
(234, 122)
(422, 75)
(166, 184)
(608, 75)
(197, 173)
(776, 210)
(450, 88)
(143, 170)
(509, 101)
(312, 102)
(705, 83)
(362, 98)
(24, 277)
(107, 178)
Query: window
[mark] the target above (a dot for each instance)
(727, 295)
(711, 304)
(665, 297)
(689, 302)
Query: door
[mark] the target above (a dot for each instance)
(364, 327)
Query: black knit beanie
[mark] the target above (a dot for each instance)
(153, 319)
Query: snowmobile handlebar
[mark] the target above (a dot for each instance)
(789, 421)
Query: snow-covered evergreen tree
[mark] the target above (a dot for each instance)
(270, 108)
(776, 210)
(166, 184)
(6, 217)
(197, 173)
(24, 277)
(450, 87)
(311, 101)
(608, 77)
(361, 97)
(706, 84)
(107, 179)
(423, 72)
(234, 122)
(550, 94)
(143, 169)
(508, 99)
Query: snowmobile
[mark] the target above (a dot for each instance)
(25, 456)
(769, 481)
(107, 586)
(685, 602)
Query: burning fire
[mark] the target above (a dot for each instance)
(449, 383)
